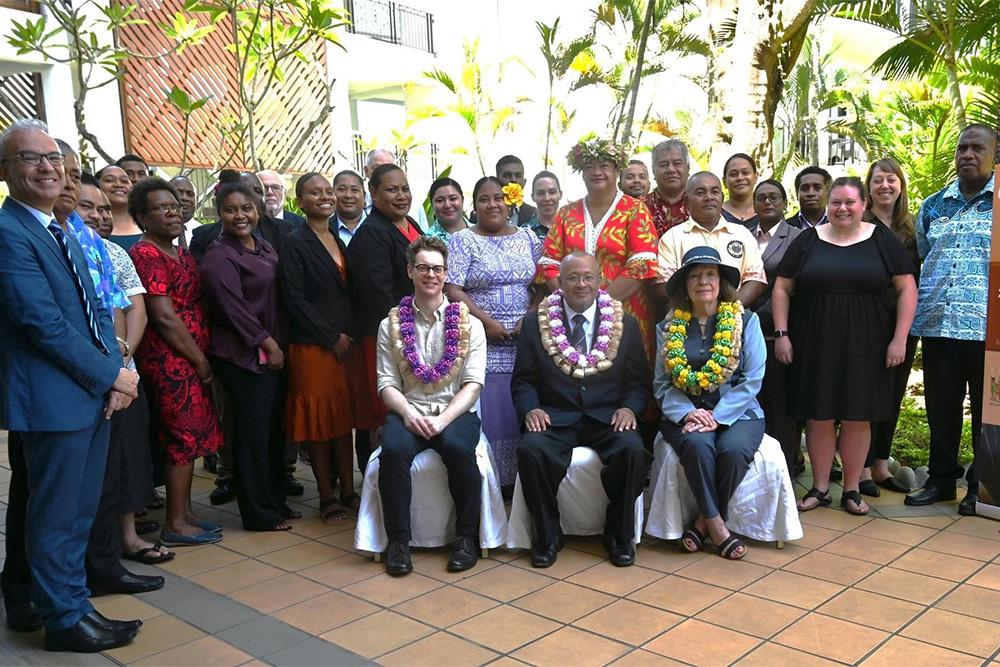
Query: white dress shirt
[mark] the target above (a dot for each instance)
(588, 325)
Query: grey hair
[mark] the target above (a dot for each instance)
(370, 157)
(20, 125)
(64, 147)
(673, 145)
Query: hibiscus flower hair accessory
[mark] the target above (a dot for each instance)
(597, 150)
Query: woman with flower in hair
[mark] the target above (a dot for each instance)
(491, 269)
(615, 228)
(709, 369)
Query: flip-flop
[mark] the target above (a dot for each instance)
(854, 497)
(335, 512)
(144, 555)
(823, 497)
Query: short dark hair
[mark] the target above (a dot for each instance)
(443, 182)
(776, 183)
(992, 131)
(739, 156)
(422, 243)
(300, 183)
(347, 173)
(137, 198)
(545, 174)
(638, 162)
(228, 176)
(813, 170)
(130, 157)
(380, 172)
(89, 179)
(850, 182)
(64, 146)
(479, 186)
(508, 159)
(100, 172)
(237, 187)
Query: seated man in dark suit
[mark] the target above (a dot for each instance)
(580, 378)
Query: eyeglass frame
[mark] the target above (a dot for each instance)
(425, 269)
(55, 158)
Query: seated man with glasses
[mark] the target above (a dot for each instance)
(431, 368)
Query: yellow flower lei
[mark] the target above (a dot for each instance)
(725, 352)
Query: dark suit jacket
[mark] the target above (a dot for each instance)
(538, 383)
(317, 298)
(52, 375)
(294, 219)
(272, 230)
(377, 257)
(781, 238)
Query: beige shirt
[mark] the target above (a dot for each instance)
(428, 399)
(734, 242)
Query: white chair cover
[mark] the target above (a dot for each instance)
(763, 507)
(582, 503)
(432, 511)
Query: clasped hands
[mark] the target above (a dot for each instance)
(538, 420)
(426, 426)
(123, 391)
(699, 421)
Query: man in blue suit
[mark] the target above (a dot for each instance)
(61, 378)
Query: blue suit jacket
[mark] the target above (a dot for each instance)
(52, 375)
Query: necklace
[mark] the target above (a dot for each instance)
(403, 330)
(555, 341)
(725, 351)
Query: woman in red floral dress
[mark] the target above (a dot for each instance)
(171, 357)
(615, 228)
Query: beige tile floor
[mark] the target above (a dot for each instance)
(919, 586)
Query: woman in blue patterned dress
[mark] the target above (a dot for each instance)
(491, 267)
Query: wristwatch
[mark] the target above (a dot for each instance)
(124, 344)
(778, 333)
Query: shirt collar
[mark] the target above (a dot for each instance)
(439, 312)
(805, 223)
(41, 216)
(722, 226)
(261, 248)
(954, 192)
(342, 226)
(587, 314)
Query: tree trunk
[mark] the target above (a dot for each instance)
(751, 73)
(640, 57)
(955, 95)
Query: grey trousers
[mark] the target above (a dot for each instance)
(715, 462)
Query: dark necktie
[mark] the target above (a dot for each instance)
(578, 337)
(88, 308)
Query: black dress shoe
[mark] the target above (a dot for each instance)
(928, 496)
(146, 527)
(103, 621)
(621, 552)
(127, 584)
(293, 487)
(224, 492)
(397, 559)
(543, 554)
(22, 616)
(968, 505)
(464, 554)
(87, 637)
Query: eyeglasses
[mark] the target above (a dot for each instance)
(424, 269)
(32, 158)
(166, 208)
(274, 187)
(767, 197)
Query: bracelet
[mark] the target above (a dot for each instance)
(124, 343)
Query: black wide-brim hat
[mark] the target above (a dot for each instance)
(699, 256)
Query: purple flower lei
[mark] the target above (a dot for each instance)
(452, 335)
(557, 329)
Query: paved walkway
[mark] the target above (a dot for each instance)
(905, 585)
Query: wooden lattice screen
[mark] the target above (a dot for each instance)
(20, 97)
(154, 129)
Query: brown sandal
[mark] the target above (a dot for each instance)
(331, 511)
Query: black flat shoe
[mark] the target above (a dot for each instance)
(293, 487)
(397, 559)
(146, 527)
(869, 488)
(891, 484)
(621, 552)
(103, 621)
(22, 616)
(968, 505)
(87, 636)
(928, 496)
(464, 554)
(126, 584)
(543, 554)
(223, 493)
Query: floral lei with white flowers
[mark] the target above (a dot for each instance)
(571, 361)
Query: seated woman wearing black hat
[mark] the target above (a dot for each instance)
(709, 368)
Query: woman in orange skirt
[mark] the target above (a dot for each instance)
(327, 396)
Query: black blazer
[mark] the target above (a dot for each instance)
(272, 230)
(317, 298)
(538, 383)
(377, 257)
(294, 219)
(781, 237)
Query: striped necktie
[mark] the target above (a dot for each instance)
(88, 308)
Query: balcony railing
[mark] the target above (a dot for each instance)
(23, 5)
(392, 22)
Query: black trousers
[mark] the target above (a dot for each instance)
(882, 432)
(105, 546)
(16, 578)
(258, 444)
(777, 424)
(952, 368)
(457, 447)
(715, 462)
(544, 457)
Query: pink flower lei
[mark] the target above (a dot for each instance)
(555, 335)
(452, 335)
